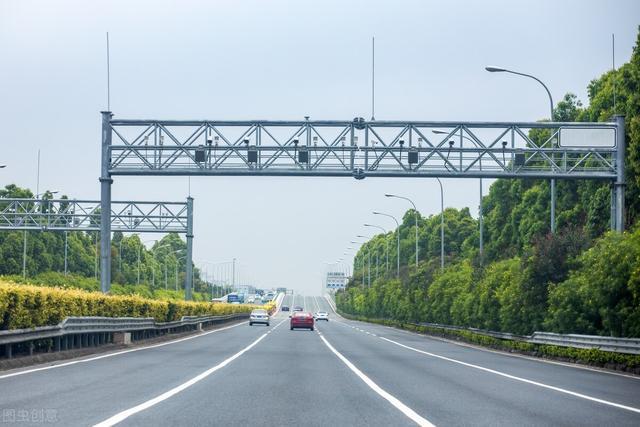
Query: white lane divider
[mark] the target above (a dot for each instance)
(410, 413)
(121, 416)
(513, 377)
(117, 353)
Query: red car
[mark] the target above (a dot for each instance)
(301, 319)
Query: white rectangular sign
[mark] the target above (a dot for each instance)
(587, 137)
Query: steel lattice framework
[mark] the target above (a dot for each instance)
(359, 149)
(84, 215)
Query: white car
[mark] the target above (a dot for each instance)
(322, 315)
(259, 316)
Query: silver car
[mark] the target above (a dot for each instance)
(259, 316)
(322, 315)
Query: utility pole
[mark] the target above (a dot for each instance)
(233, 275)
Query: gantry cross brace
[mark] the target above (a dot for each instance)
(86, 215)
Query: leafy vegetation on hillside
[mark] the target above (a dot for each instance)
(583, 279)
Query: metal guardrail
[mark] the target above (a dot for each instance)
(612, 344)
(494, 334)
(74, 332)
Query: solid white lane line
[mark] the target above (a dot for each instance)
(513, 377)
(121, 416)
(410, 413)
(117, 353)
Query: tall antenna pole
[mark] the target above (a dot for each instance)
(613, 58)
(373, 77)
(38, 176)
(108, 77)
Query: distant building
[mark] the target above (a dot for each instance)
(335, 280)
(245, 289)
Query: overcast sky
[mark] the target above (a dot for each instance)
(283, 60)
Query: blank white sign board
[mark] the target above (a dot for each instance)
(587, 137)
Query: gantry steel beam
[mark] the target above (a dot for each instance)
(359, 148)
(86, 215)
(363, 149)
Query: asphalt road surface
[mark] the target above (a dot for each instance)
(344, 373)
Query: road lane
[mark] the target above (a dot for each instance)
(175, 391)
(290, 378)
(599, 384)
(452, 394)
(82, 394)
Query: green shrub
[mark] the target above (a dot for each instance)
(26, 306)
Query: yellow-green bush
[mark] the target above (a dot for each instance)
(25, 306)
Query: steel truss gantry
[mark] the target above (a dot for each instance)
(361, 149)
(85, 215)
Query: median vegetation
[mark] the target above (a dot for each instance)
(27, 306)
(77, 281)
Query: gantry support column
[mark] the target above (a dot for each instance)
(620, 181)
(188, 280)
(105, 205)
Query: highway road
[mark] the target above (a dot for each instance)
(344, 373)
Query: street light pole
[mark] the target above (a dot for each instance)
(441, 224)
(415, 209)
(386, 242)
(480, 213)
(553, 181)
(24, 241)
(369, 252)
(398, 234)
(65, 252)
(24, 255)
(362, 261)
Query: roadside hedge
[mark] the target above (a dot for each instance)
(25, 306)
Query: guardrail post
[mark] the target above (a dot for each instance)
(8, 351)
(56, 344)
(105, 205)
